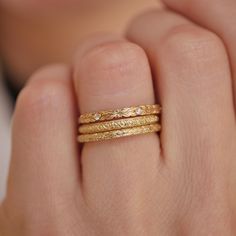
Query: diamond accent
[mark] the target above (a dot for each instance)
(120, 113)
(139, 111)
(97, 116)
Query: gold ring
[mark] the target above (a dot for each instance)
(119, 113)
(118, 124)
(83, 138)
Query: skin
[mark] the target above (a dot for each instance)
(182, 182)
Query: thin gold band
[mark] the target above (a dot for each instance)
(83, 138)
(118, 124)
(119, 113)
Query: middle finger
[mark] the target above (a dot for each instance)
(193, 80)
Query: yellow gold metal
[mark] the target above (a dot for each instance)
(119, 113)
(84, 138)
(118, 124)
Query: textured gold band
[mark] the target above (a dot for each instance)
(119, 113)
(118, 124)
(83, 138)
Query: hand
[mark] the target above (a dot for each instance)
(181, 183)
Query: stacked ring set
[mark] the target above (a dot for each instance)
(110, 124)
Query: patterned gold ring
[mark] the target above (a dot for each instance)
(83, 138)
(119, 113)
(118, 124)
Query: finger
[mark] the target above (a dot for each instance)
(44, 167)
(192, 74)
(110, 75)
(218, 17)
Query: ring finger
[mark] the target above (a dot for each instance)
(114, 74)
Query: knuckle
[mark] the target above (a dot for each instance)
(192, 43)
(41, 96)
(113, 57)
(197, 52)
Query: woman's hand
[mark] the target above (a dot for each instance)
(181, 183)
